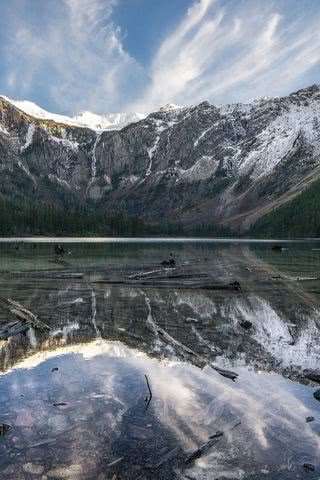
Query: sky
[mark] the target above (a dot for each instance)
(103, 56)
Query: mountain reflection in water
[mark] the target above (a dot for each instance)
(75, 398)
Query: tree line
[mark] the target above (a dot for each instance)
(299, 218)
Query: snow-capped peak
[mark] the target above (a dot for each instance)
(110, 121)
(168, 107)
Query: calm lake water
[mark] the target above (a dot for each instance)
(76, 397)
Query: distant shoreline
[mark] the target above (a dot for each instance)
(158, 239)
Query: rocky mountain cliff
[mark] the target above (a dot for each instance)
(205, 164)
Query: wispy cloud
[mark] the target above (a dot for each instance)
(71, 53)
(77, 56)
(232, 52)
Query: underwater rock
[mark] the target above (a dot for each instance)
(4, 428)
(70, 472)
(308, 467)
(245, 324)
(24, 419)
(58, 423)
(33, 468)
(313, 375)
(317, 394)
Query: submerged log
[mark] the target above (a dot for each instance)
(192, 284)
(196, 358)
(226, 373)
(172, 341)
(148, 385)
(14, 328)
(24, 317)
(213, 439)
(150, 273)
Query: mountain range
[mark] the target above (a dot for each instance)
(202, 165)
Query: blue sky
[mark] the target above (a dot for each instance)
(135, 55)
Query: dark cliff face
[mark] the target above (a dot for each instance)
(201, 164)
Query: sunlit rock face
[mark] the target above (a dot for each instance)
(177, 163)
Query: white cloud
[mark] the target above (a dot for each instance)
(220, 51)
(232, 52)
(78, 58)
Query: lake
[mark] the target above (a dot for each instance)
(143, 362)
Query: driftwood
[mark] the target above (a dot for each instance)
(185, 351)
(196, 358)
(118, 460)
(148, 398)
(14, 328)
(24, 317)
(225, 373)
(151, 272)
(213, 439)
(40, 443)
(148, 385)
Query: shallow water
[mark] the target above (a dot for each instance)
(75, 398)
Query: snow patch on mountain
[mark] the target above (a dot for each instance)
(111, 121)
(29, 137)
(64, 142)
(279, 137)
(151, 152)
